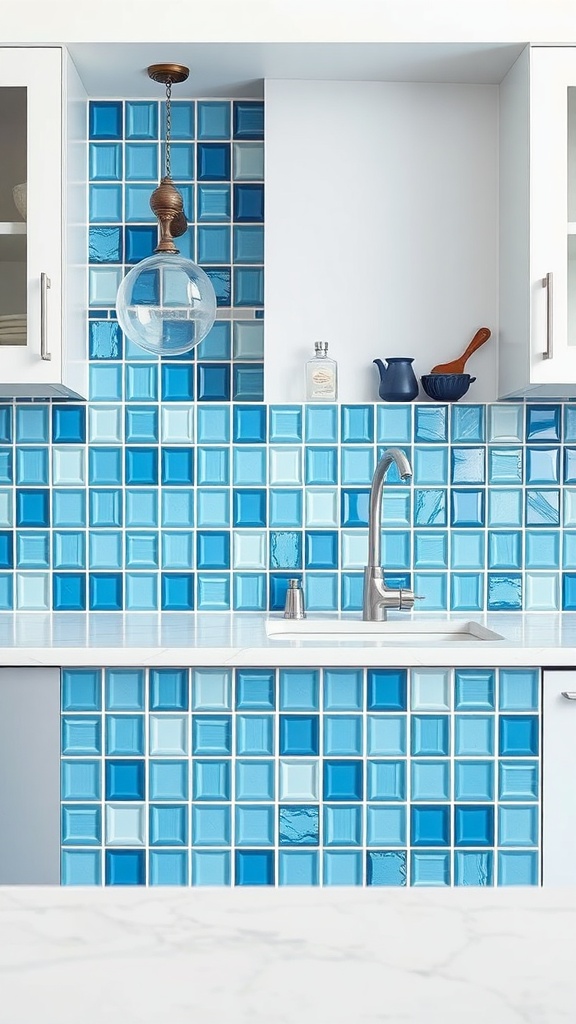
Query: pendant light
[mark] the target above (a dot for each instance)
(166, 304)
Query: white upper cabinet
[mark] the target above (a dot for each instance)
(538, 224)
(42, 245)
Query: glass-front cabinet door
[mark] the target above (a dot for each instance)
(553, 213)
(30, 219)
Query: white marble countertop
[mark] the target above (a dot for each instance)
(211, 638)
(289, 956)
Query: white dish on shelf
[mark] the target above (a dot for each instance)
(19, 194)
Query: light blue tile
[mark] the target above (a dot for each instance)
(542, 465)
(431, 550)
(249, 466)
(468, 465)
(433, 587)
(505, 465)
(430, 507)
(504, 549)
(505, 507)
(506, 423)
(543, 548)
(321, 424)
(542, 508)
(468, 423)
(468, 507)
(467, 549)
(357, 465)
(213, 507)
(430, 466)
(357, 422)
(467, 592)
(431, 424)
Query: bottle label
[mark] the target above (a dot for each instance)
(322, 382)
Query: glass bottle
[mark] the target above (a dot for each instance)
(321, 375)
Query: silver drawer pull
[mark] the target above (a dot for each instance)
(569, 694)
(547, 283)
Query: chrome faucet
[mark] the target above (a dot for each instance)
(378, 597)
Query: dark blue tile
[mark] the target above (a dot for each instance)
(387, 689)
(177, 382)
(146, 290)
(221, 278)
(125, 867)
(321, 549)
(518, 735)
(254, 867)
(248, 382)
(105, 119)
(6, 549)
(213, 382)
(169, 689)
(299, 735)
(141, 465)
(343, 780)
(213, 161)
(69, 592)
(248, 119)
(177, 592)
(543, 422)
(177, 467)
(249, 424)
(430, 826)
(354, 510)
(248, 203)
(32, 507)
(68, 424)
(249, 507)
(140, 242)
(125, 780)
(474, 826)
(105, 591)
(213, 549)
(569, 592)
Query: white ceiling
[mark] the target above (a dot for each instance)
(238, 69)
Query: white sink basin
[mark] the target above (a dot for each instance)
(393, 633)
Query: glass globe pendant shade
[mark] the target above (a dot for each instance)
(166, 304)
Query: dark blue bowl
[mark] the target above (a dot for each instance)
(446, 387)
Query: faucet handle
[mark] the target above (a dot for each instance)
(407, 599)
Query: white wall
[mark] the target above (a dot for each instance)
(381, 229)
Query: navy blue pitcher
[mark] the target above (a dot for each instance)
(397, 380)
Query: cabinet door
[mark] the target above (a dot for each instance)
(31, 248)
(29, 776)
(553, 215)
(559, 778)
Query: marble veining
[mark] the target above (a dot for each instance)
(313, 957)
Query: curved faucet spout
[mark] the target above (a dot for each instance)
(378, 597)
(375, 510)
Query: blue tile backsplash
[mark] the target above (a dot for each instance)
(176, 488)
(300, 776)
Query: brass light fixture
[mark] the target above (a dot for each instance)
(166, 304)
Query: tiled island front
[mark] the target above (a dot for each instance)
(266, 776)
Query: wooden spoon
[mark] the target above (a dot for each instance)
(457, 365)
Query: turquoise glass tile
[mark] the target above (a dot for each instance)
(474, 735)
(505, 465)
(386, 868)
(430, 735)
(473, 867)
(519, 689)
(518, 781)
(518, 867)
(298, 867)
(504, 592)
(504, 549)
(468, 465)
(467, 592)
(433, 588)
(543, 465)
(430, 466)
(431, 424)
(213, 244)
(518, 826)
(386, 826)
(105, 161)
(474, 781)
(141, 120)
(474, 826)
(357, 466)
(430, 780)
(505, 507)
(474, 689)
(468, 424)
(468, 507)
(105, 203)
(357, 423)
(321, 424)
(248, 243)
(343, 689)
(430, 507)
(430, 869)
(321, 465)
(431, 550)
(430, 826)
(211, 867)
(542, 508)
(214, 203)
(214, 119)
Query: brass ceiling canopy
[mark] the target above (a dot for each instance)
(175, 73)
(166, 201)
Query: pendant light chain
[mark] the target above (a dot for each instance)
(168, 125)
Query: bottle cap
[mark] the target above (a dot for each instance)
(321, 346)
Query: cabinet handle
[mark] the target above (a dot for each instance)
(547, 284)
(569, 694)
(44, 286)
